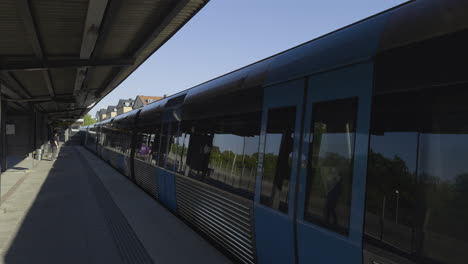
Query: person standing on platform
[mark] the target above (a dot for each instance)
(54, 144)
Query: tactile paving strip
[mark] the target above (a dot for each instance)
(130, 248)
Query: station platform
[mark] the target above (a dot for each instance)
(78, 209)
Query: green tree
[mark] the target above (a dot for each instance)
(88, 120)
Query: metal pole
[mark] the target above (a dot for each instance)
(397, 200)
(3, 154)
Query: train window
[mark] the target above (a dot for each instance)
(147, 145)
(173, 137)
(277, 158)
(116, 140)
(181, 148)
(225, 162)
(91, 138)
(143, 147)
(222, 151)
(126, 139)
(330, 166)
(167, 139)
(417, 180)
(250, 159)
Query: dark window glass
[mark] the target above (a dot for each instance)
(392, 180)
(147, 145)
(126, 141)
(181, 149)
(91, 138)
(173, 137)
(220, 151)
(330, 166)
(116, 139)
(143, 145)
(278, 158)
(250, 159)
(417, 182)
(225, 162)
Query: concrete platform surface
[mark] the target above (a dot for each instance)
(80, 210)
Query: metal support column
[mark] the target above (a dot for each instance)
(35, 152)
(3, 154)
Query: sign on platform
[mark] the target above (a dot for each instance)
(10, 129)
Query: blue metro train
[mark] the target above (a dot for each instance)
(350, 148)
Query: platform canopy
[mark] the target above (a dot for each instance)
(60, 57)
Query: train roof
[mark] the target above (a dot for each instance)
(411, 22)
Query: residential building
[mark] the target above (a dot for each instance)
(111, 111)
(124, 106)
(142, 100)
(101, 115)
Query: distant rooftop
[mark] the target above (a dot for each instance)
(148, 99)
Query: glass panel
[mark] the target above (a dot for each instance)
(163, 145)
(116, 139)
(143, 147)
(182, 148)
(443, 170)
(249, 161)
(277, 161)
(330, 168)
(391, 187)
(173, 137)
(91, 138)
(224, 164)
(198, 154)
(417, 191)
(221, 151)
(147, 144)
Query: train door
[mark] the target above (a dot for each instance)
(331, 193)
(274, 196)
(165, 171)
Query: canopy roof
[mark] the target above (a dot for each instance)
(61, 57)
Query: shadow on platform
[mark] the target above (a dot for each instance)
(64, 223)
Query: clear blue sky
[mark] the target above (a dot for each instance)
(226, 35)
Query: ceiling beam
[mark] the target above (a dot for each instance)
(106, 24)
(18, 106)
(14, 85)
(94, 17)
(45, 99)
(66, 111)
(8, 65)
(25, 12)
(48, 82)
(8, 91)
(177, 7)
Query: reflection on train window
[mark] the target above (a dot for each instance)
(147, 145)
(116, 140)
(277, 161)
(144, 143)
(180, 149)
(91, 138)
(165, 137)
(220, 151)
(330, 168)
(173, 135)
(417, 182)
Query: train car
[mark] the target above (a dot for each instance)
(350, 148)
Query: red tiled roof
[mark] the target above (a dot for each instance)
(144, 98)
